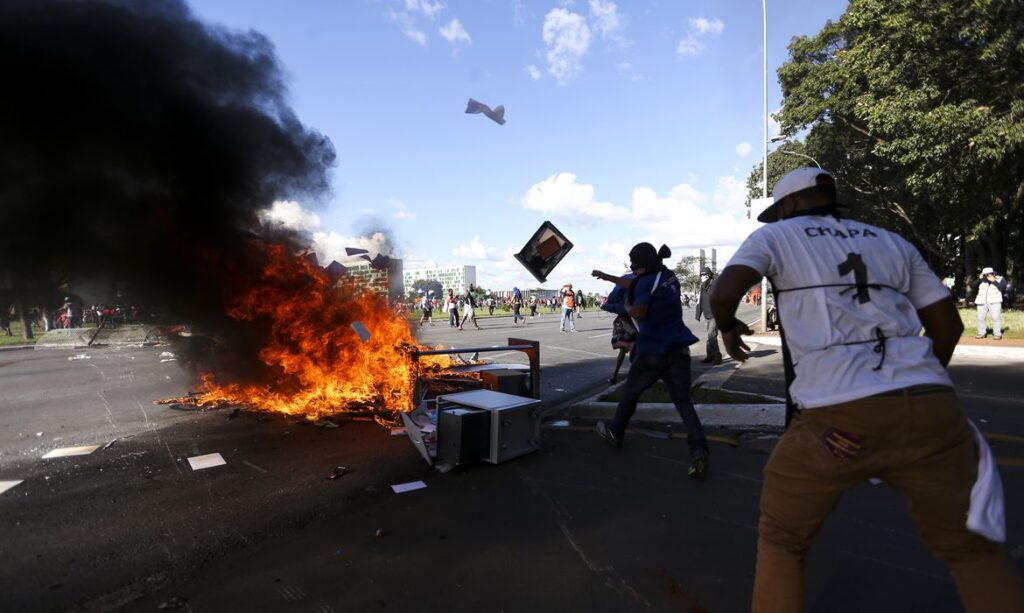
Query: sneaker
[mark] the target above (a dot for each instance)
(980, 336)
(608, 435)
(706, 360)
(997, 338)
(698, 468)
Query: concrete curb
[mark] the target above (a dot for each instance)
(1013, 354)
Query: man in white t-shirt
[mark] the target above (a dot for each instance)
(871, 394)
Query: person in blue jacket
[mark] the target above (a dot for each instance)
(663, 349)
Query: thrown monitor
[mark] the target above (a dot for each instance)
(544, 251)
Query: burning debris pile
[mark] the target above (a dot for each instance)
(317, 363)
(140, 148)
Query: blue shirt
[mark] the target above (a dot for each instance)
(663, 330)
(616, 301)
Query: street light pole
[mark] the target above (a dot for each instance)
(764, 141)
(784, 152)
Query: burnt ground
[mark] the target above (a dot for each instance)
(576, 526)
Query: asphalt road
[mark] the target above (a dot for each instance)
(576, 526)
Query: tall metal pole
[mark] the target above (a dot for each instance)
(764, 144)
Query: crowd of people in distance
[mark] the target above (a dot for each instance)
(70, 314)
(465, 307)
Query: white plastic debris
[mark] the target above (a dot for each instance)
(80, 356)
(209, 460)
(63, 452)
(166, 354)
(168, 360)
(402, 488)
(6, 485)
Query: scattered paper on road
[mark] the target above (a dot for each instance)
(6, 485)
(402, 488)
(166, 354)
(361, 331)
(80, 356)
(63, 452)
(398, 432)
(168, 360)
(209, 460)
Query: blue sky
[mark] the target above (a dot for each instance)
(626, 121)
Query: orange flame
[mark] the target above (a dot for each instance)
(324, 368)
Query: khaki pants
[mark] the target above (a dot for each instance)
(920, 444)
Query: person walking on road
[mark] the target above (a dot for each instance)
(712, 354)
(871, 395)
(988, 297)
(568, 308)
(517, 306)
(469, 312)
(451, 304)
(662, 349)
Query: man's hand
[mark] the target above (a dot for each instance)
(734, 344)
(600, 275)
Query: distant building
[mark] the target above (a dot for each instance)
(456, 278)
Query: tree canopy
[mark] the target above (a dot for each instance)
(917, 106)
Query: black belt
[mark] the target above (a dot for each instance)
(915, 390)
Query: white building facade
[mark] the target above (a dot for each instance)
(455, 278)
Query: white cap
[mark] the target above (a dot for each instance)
(793, 182)
(988, 270)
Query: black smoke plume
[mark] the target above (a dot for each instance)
(137, 144)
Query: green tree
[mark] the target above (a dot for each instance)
(918, 107)
(780, 161)
(687, 269)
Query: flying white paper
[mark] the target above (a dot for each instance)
(497, 115)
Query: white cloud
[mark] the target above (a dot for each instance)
(409, 27)
(743, 149)
(455, 33)
(774, 129)
(402, 211)
(606, 17)
(561, 196)
(703, 26)
(331, 246)
(699, 27)
(424, 7)
(533, 71)
(475, 250)
(328, 245)
(567, 38)
(680, 219)
(730, 196)
(291, 214)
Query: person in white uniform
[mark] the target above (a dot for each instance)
(870, 394)
(988, 297)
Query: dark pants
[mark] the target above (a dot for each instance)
(711, 349)
(453, 317)
(674, 369)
